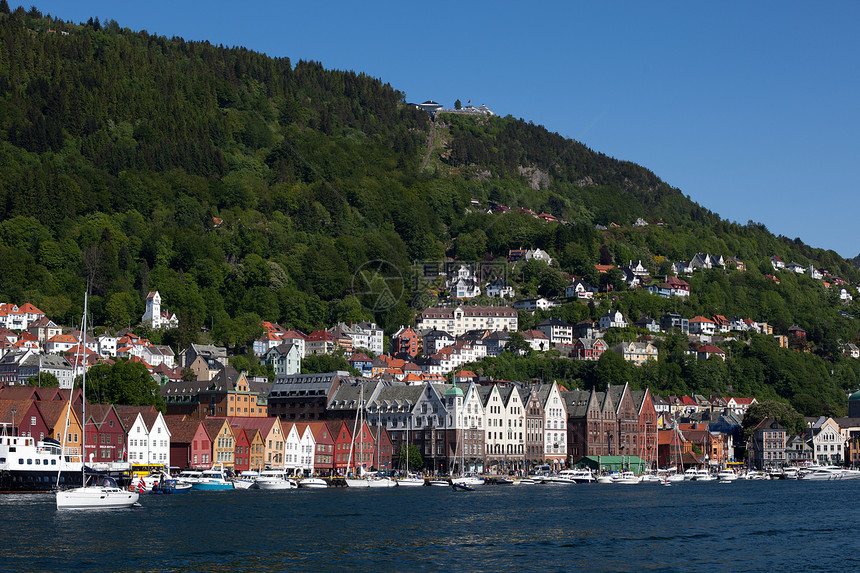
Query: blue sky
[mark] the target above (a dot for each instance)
(751, 109)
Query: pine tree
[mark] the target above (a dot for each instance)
(4, 7)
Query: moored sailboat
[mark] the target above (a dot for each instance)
(101, 492)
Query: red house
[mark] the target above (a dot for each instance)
(405, 341)
(383, 450)
(647, 425)
(190, 446)
(106, 437)
(362, 448)
(324, 448)
(242, 454)
(588, 348)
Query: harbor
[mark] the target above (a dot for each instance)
(747, 526)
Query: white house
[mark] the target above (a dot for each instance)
(148, 436)
(533, 304)
(464, 284)
(538, 255)
(558, 331)
(827, 441)
(612, 319)
(107, 345)
(814, 273)
(293, 455)
(504, 426)
(702, 325)
(155, 316)
(458, 320)
(500, 288)
(555, 423)
(777, 263)
(579, 289)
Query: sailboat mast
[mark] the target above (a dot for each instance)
(83, 395)
(355, 426)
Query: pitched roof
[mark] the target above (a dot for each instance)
(182, 431)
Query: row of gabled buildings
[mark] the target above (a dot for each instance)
(304, 423)
(491, 426)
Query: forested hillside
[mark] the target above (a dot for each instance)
(244, 187)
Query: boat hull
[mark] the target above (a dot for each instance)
(313, 483)
(12, 481)
(276, 484)
(96, 498)
(212, 486)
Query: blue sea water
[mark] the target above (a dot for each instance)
(742, 526)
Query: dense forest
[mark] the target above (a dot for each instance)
(244, 187)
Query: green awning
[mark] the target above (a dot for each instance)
(608, 463)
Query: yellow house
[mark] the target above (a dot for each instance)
(257, 449)
(271, 433)
(54, 413)
(223, 441)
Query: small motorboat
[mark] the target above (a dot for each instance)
(274, 479)
(213, 479)
(169, 487)
(456, 486)
(313, 483)
(410, 481)
(245, 480)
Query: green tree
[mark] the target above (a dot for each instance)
(783, 413)
(410, 453)
(457, 103)
(45, 379)
(125, 382)
(120, 310)
(318, 363)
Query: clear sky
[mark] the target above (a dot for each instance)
(750, 108)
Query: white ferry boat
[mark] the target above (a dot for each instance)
(28, 466)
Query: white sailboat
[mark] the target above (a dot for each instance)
(678, 475)
(409, 480)
(367, 479)
(101, 492)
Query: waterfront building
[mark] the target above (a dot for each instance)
(293, 449)
(190, 446)
(647, 415)
(304, 397)
(271, 454)
(826, 441)
(241, 447)
(463, 427)
(322, 458)
(534, 427)
(148, 435)
(223, 442)
(554, 424)
(767, 445)
(105, 435)
(504, 427)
